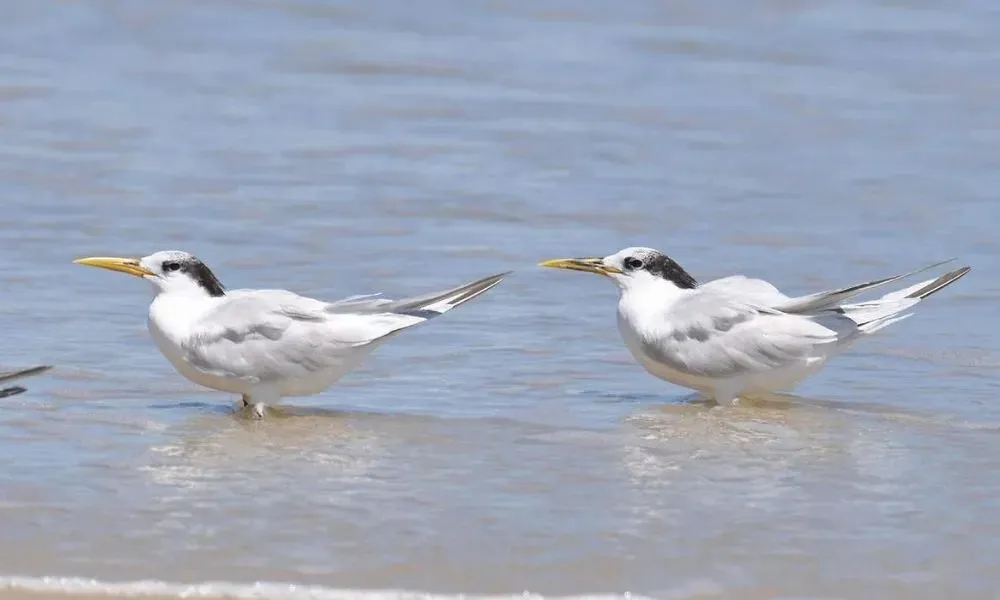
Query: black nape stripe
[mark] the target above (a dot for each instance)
(205, 277)
(666, 268)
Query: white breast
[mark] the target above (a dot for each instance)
(657, 369)
(169, 323)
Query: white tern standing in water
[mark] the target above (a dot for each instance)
(268, 344)
(738, 336)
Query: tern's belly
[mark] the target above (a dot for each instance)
(667, 373)
(782, 379)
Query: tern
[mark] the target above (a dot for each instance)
(14, 375)
(737, 336)
(268, 344)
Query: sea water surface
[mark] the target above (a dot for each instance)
(339, 148)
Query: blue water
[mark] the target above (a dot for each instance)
(339, 148)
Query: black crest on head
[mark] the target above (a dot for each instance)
(662, 266)
(200, 272)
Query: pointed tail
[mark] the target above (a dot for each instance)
(874, 315)
(938, 284)
(832, 298)
(438, 303)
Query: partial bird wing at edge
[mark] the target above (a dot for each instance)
(12, 375)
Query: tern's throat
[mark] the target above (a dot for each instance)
(648, 298)
(175, 313)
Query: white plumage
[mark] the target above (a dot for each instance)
(269, 344)
(739, 336)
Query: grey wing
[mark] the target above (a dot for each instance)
(273, 334)
(262, 335)
(721, 336)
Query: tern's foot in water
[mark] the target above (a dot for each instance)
(256, 409)
(726, 400)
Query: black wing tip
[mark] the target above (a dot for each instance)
(940, 263)
(498, 277)
(941, 282)
(958, 273)
(486, 283)
(495, 279)
(478, 288)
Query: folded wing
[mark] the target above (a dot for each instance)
(262, 335)
(717, 335)
(737, 325)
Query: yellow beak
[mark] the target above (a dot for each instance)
(589, 265)
(123, 265)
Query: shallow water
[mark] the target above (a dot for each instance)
(345, 148)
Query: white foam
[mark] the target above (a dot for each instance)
(77, 586)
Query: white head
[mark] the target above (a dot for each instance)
(170, 271)
(631, 267)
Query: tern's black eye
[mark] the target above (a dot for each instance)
(632, 263)
(171, 266)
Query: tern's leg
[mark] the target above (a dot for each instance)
(251, 405)
(723, 397)
(258, 399)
